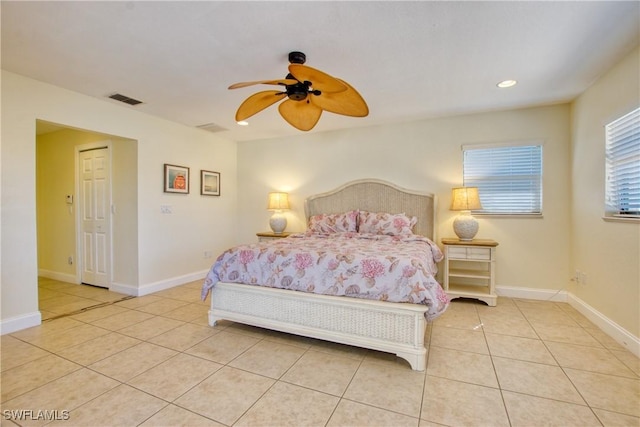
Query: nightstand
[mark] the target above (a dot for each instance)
(270, 235)
(469, 269)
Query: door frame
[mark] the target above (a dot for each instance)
(78, 219)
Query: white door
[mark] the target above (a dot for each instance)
(95, 204)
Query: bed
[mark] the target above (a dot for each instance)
(368, 320)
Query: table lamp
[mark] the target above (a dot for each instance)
(465, 199)
(277, 203)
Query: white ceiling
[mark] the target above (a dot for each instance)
(409, 60)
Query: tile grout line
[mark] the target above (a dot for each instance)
(85, 309)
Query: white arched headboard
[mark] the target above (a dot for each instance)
(375, 195)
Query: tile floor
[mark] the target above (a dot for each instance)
(154, 361)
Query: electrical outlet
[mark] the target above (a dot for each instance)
(70, 260)
(166, 209)
(576, 277)
(582, 278)
(207, 254)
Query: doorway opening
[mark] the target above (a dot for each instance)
(81, 176)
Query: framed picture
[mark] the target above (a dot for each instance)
(176, 179)
(209, 183)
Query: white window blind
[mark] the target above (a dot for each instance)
(508, 177)
(623, 165)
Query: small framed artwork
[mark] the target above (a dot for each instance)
(176, 179)
(209, 183)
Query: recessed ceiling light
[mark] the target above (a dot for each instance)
(243, 123)
(507, 83)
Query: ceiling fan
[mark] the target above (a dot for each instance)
(307, 93)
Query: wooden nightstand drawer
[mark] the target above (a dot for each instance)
(479, 253)
(457, 252)
(461, 252)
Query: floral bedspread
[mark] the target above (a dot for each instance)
(378, 267)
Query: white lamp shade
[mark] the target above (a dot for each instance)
(465, 199)
(278, 201)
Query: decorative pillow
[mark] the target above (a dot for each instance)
(334, 223)
(386, 223)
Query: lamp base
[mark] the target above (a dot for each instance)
(465, 226)
(278, 222)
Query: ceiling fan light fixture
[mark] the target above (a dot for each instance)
(319, 91)
(298, 91)
(507, 83)
(243, 123)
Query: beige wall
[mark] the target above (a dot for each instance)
(170, 247)
(125, 184)
(55, 219)
(607, 252)
(427, 156)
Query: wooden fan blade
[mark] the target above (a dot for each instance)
(301, 115)
(258, 102)
(319, 80)
(281, 82)
(347, 103)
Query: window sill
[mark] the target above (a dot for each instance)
(628, 219)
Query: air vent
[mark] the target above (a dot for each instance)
(211, 127)
(125, 99)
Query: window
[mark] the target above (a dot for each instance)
(623, 166)
(508, 177)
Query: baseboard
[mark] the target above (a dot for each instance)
(533, 293)
(126, 289)
(122, 288)
(157, 286)
(170, 283)
(18, 323)
(611, 328)
(56, 275)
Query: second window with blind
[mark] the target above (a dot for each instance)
(508, 177)
(623, 166)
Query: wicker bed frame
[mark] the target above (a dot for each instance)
(390, 327)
